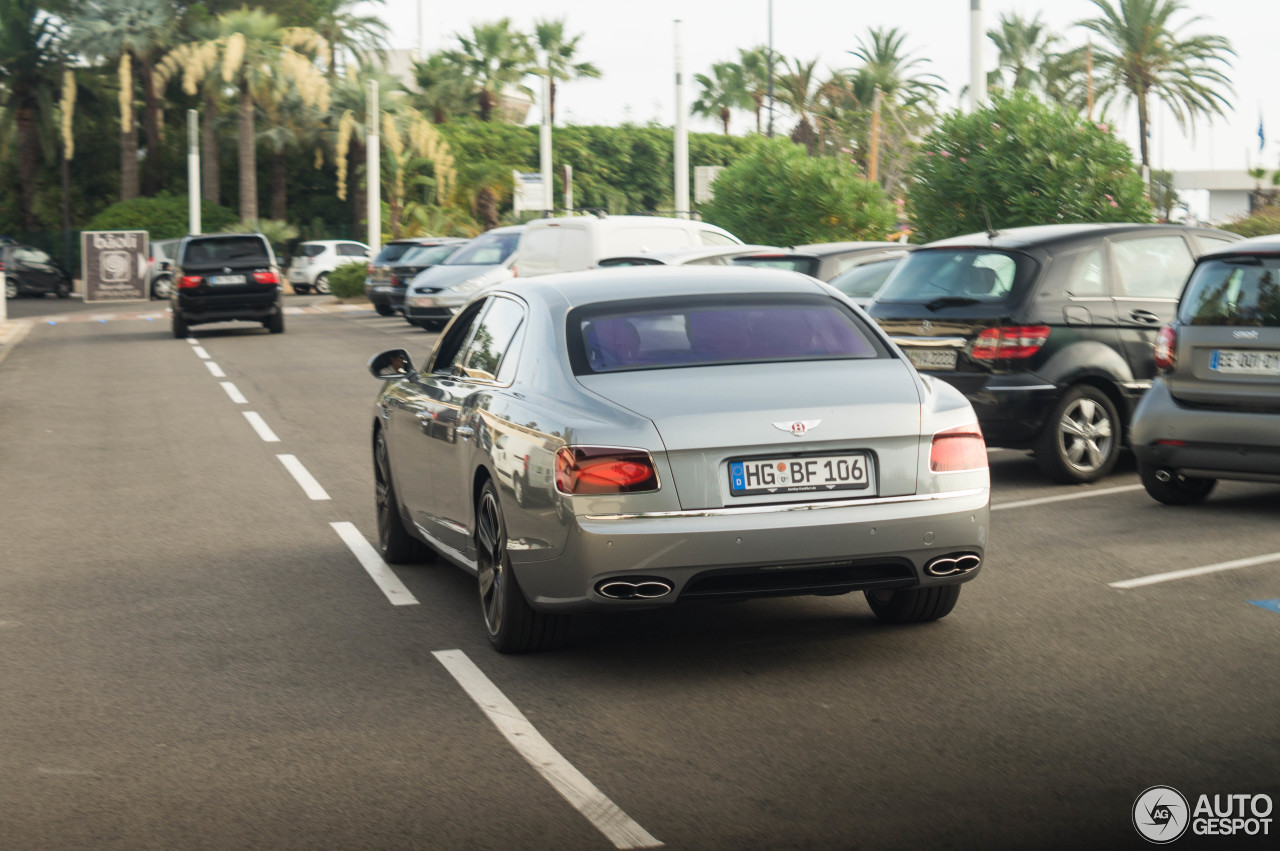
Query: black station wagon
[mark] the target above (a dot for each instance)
(1049, 330)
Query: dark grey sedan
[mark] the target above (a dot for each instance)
(626, 438)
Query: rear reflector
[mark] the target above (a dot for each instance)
(266, 278)
(1165, 354)
(598, 470)
(1010, 343)
(187, 282)
(957, 449)
(1171, 443)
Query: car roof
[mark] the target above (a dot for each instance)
(1267, 244)
(675, 256)
(820, 249)
(629, 282)
(1047, 235)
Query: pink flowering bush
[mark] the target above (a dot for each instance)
(1021, 162)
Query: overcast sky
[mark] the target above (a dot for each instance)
(633, 45)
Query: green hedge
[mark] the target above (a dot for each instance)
(347, 281)
(163, 217)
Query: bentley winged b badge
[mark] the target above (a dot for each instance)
(798, 428)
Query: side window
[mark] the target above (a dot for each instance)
(351, 249)
(25, 255)
(493, 337)
(447, 359)
(1151, 267)
(1086, 279)
(711, 237)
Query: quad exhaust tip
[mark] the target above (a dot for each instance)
(634, 588)
(953, 564)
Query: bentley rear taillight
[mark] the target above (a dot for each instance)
(957, 449)
(601, 470)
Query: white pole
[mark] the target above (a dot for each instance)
(548, 191)
(682, 133)
(193, 172)
(568, 187)
(373, 173)
(977, 75)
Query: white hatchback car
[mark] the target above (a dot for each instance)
(313, 261)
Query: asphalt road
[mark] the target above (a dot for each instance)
(192, 657)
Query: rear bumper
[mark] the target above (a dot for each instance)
(1011, 408)
(385, 294)
(254, 307)
(1204, 443)
(732, 553)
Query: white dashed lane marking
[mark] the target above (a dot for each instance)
(215, 370)
(304, 478)
(260, 426)
(373, 564)
(235, 394)
(1045, 500)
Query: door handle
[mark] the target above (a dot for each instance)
(464, 432)
(1144, 316)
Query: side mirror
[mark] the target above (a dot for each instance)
(391, 364)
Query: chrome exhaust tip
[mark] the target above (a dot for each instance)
(634, 588)
(953, 564)
(1164, 475)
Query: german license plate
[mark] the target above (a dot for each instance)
(226, 279)
(1237, 362)
(932, 358)
(809, 474)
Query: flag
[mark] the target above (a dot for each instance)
(1262, 137)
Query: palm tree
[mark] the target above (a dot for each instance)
(1142, 55)
(558, 54)
(443, 88)
(1024, 49)
(798, 90)
(131, 32)
(30, 78)
(196, 62)
(363, 36)
(722, 92)
(755, 72)
(494, 57)
(894, 73)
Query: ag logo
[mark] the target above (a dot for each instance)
(1161, 814)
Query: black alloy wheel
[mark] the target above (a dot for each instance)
(395, 543)
(510, 622)
(1080, 440)
(913, 605)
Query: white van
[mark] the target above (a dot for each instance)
(574, 243)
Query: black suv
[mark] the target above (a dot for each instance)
(1048, 330)
(385, 289)
(226, 276)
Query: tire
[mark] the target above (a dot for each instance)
(64, 289)
(385, 309)
(322, 284)
(510, 622)
(432, 325)
(1178, 490)
(913, 605)
(1080, 440)
(395, 543)
(275, 322)
(301, 289)
(180, 327)
(162, 287)
(10, 288)
(521, 490)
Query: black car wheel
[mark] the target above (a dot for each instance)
(1171, 488)
(394, 541)
(518, 487)
(64, 289)
(275, 322)
(385, 309)
(180, 327)
(511, 623)
(162, 287)
(322, 284)
(1080, 441)
(10, 288)
(913, 605)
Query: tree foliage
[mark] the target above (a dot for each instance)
(347, 281)
(777, 194)
(163, 217)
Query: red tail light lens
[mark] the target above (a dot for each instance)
(266, 278)
(1166, 353)
(597, 469)
(396, 282)
(957, 449)
(1010, 343)
(187, 282)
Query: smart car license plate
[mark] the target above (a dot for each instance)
(813, 473)
(226, 279)
(932, 358)
(1237, 362)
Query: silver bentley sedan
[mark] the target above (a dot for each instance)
(628, 438)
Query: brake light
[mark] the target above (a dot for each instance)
(1166, 354)
(957, 449)
(187, 282)
(1010, 343)
(266, 278)
(396, 282)
(596, 470)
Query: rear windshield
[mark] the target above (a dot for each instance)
(667, 333)
(629, 261)
(393, 251)
(1233, 291)
(310, 250)
(227, 249)
(866, 280)
(960, 276)
(428, 255)
(807, 265)
(486, 250)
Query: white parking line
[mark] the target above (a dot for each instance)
(215, 370)
(616, 825)
(260, 426)
(1044, 500)
(192, 340)
(374, 565)
(1195, 571)
(200, 352)
(304, 478)
(234, 393)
